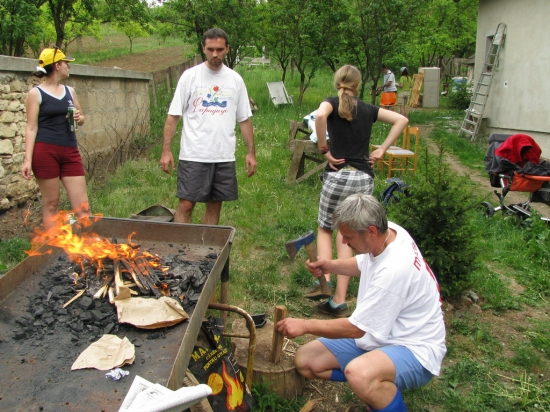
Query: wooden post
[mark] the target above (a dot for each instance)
(278, 339)
(168, 80)
(154, 84)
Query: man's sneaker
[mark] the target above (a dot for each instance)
(315, 292)
(329, 308)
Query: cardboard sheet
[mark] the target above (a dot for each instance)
(147, 313)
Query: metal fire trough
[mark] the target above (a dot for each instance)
(38, 376)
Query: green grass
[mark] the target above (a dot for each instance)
(12, 252)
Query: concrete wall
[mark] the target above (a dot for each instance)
(115, 102)
(518, 101)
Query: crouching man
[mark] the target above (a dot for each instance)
(395, 338)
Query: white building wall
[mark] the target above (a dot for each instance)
(519, 100)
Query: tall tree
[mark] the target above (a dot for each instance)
(64, 10)
(376, 32)
(317, 26)
(444, 29)
(17, 23)
(238, 18)
(276, 34)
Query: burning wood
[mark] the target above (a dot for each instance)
(89, 249)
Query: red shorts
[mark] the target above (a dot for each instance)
(50, 161)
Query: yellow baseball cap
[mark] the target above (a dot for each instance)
(52, 55)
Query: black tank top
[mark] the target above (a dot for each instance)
(53, 126)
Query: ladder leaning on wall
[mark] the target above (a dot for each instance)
(474, 113)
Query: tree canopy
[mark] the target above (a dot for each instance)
(303, 34)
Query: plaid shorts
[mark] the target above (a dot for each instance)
(336, 187)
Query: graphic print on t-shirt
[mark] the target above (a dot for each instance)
(214, 98)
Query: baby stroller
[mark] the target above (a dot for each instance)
(513, 163)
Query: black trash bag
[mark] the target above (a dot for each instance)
(213, 364)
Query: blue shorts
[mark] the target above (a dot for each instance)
(409, 373)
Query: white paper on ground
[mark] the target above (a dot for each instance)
(144, 396)
(107, 353)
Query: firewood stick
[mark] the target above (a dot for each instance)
(101, 291)
(118, 278)
(75, 297)
(134, 275)
(278, 339)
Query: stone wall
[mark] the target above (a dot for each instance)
(115, 102)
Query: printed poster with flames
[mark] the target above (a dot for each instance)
(213, 364)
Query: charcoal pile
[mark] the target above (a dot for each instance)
(68, 299)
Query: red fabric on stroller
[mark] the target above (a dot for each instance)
(520, 149)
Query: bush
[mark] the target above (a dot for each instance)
(460, 99)
(437, 214)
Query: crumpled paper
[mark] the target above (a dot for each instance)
(116, 374)
(147, 313)
(109, 352)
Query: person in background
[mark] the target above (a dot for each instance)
(211, 98)
(389, 95)
(404, 90)
(51, 150)
(395, 338)
(349, 122)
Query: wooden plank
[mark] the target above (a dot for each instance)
(279, 313)
(311, 172)
(416, 87)
(295, 161)
(293, 129)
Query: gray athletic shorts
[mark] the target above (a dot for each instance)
(336, 187)
(201, 182)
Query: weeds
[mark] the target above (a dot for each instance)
(12, 251)
(269, 401)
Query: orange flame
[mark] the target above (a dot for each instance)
(235, 391)
(85, 245)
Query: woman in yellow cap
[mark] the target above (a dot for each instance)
(51, 150)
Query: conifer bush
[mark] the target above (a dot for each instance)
(437, 213)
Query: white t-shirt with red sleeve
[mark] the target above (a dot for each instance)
(399, 302)
(210, 102)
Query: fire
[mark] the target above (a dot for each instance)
(81, 246)
(235, 391)
(88, 247)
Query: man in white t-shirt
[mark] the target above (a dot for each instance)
(211, 98)
(395, 338)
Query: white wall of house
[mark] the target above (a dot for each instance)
(519, 100)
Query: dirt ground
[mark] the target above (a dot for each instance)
(147, 62)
